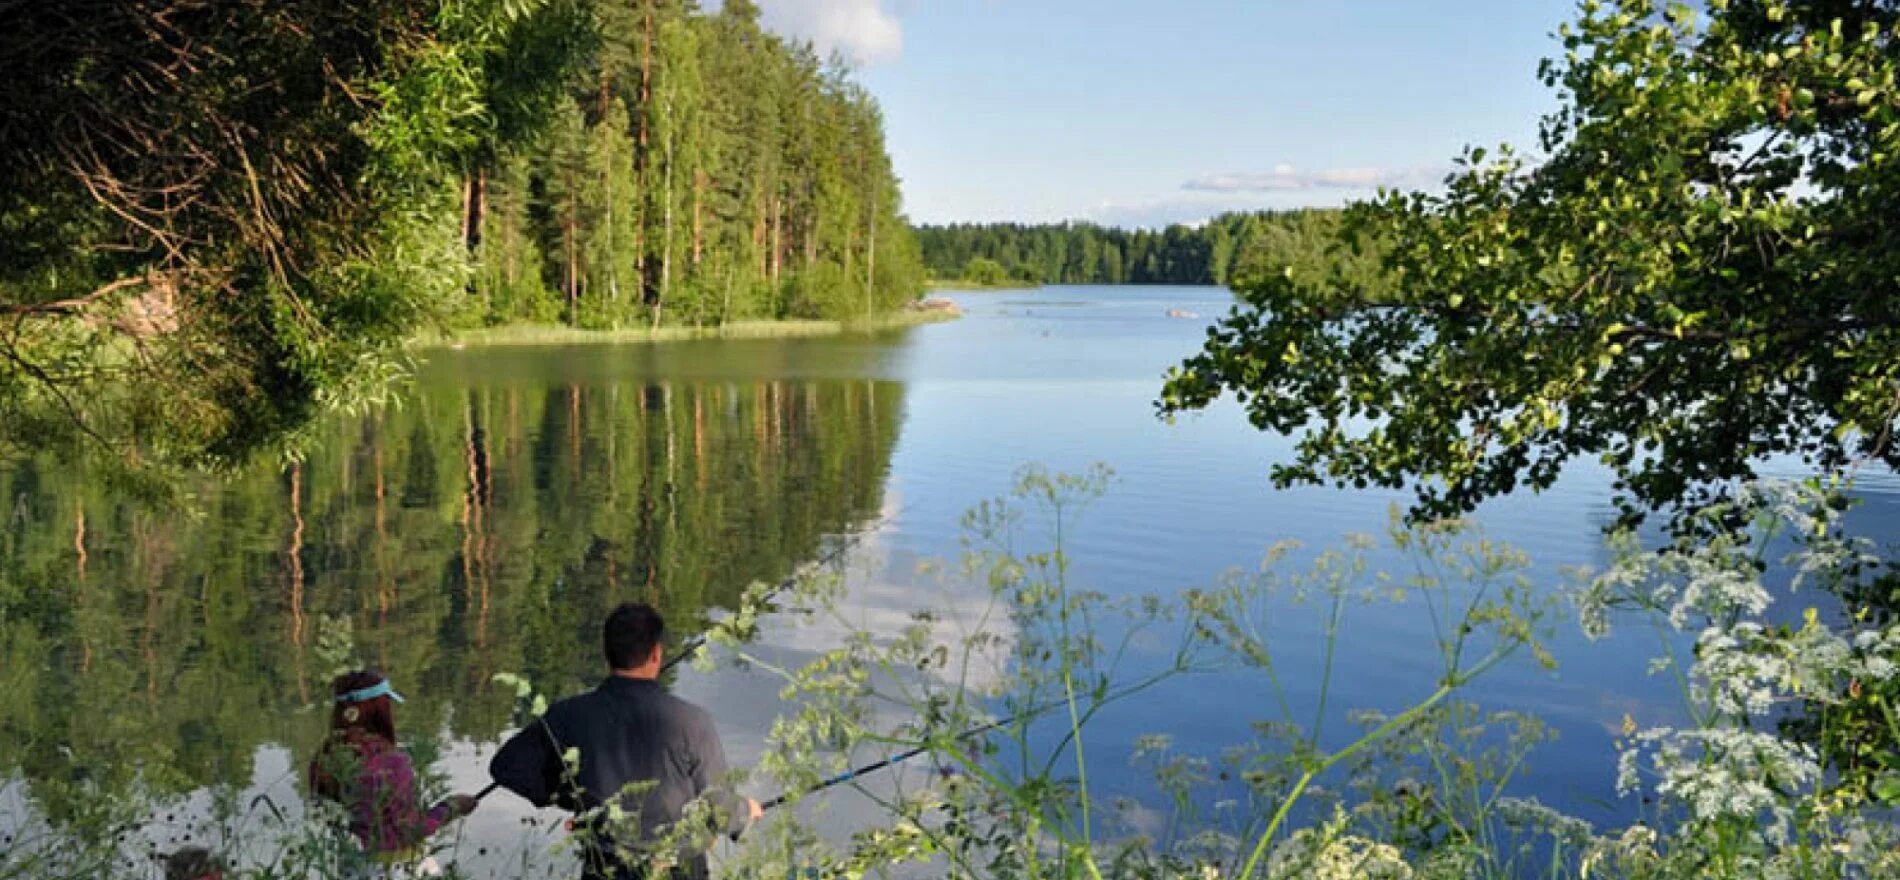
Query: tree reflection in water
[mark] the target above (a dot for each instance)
(477, 527)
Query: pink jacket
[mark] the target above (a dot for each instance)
(385, 813)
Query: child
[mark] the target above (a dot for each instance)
(360, 767)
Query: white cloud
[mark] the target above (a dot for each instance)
(1285, 177)
(864, 31)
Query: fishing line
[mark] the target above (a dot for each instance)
(854, 773)
(691, 646)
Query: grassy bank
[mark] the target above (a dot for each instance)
(959, 284)
(554, 334)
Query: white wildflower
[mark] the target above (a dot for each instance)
(1829, 557)
(1638, 839)
(1619, 855)
(1746, 668)
(1593, 610)
(1628, 776)
(1318, 855)
(1877, 650)
(1530, 814)
(1715, 590)
(1724, 772)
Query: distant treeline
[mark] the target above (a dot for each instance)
(1219, 251)
(701, 171)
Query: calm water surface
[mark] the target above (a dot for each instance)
(487, 523)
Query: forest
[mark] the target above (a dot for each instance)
(222, 220)
(1223, 250)
(701, 170)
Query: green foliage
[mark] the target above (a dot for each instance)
(1227, 249)
(1701, 275)
(221, 222)
(508, 259)
(700, 171)
(985, 271)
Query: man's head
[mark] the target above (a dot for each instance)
(631, 638)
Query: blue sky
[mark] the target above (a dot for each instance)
(1144, 113)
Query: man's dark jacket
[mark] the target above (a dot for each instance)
(625, 731)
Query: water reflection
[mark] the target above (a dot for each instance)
(486, 524)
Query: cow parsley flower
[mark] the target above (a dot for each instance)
(1876, 651)
(1327, 853)
(1530, 814)
(1746, 668)
(1723, 772)
(1312, 855)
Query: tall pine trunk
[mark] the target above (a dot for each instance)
(759, 242)
(870, 263)
(778, 227)
(699, 219)
(666, 225)
(572, 224)
(641, 157)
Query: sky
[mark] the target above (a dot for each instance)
(1148, 112)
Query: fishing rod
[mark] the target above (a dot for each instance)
(901, 757)
(856, 772)
(691, 646)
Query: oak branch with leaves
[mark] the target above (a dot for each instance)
(1702, 273)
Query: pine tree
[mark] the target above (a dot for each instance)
(509, 278)
(569, 207)
(610, 246)
(701, 170)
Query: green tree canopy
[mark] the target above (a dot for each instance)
(983, 270)
(1703, 274)
(218, 217)
(700, 170)
(1222, 250)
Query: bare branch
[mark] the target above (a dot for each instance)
(75, 304)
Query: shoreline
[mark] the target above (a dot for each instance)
(974, 287)
(524, 334)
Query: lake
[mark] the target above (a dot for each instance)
(487, 522)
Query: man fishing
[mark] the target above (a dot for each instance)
(642, 753)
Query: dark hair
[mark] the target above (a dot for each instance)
(354, 728)
(630, 634)
(372, 716)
